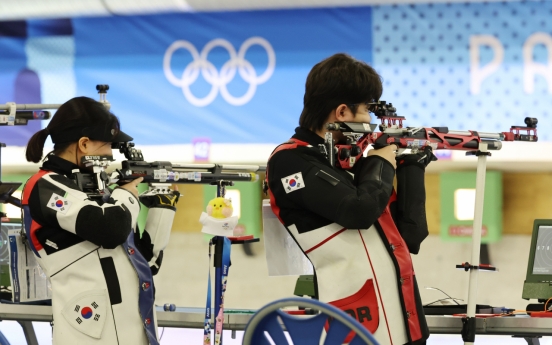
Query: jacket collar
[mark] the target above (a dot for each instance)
(59, 165)
(308, 136)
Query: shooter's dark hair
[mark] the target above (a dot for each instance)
(339, 79)
(66, 126)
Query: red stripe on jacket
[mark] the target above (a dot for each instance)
(291, 144)
(406, 268)
(29, 186)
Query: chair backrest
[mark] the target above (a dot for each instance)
(304, 330)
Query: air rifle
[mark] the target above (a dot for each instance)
(167, 172)
(159, 175)
(359, 135)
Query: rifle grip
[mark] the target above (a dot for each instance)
(386, 140)
(381, 142)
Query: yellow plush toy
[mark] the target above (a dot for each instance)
(220, 208)
(218, 219)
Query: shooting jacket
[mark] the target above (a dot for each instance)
(346, 225)
(100, 269)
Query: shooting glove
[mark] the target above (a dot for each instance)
(421, 159)
(411, 214)
(161, 200)
(158, 226)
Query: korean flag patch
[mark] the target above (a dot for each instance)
(59, 203)
(293, 182)
(87, 312)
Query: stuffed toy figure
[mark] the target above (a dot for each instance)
(220, 208)
(218, 219)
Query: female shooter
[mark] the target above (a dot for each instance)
(100, 267)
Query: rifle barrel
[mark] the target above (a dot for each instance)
(497, 136)
(193, 167)
(31, 106)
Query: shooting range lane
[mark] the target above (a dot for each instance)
(208, 100)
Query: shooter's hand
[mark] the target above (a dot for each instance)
(132, 186)
(161, 200)
(388, 153)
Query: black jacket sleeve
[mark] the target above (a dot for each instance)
(410, 216)
(107, 225)
(329, 194)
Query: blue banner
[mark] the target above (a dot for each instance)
(234, 77)
(238, 77)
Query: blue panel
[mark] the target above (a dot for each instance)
(26, 91)
(127, 53)
(50, 27)
(21, 83)
(423, 53)
(13, 72)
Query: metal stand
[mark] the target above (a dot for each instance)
(217, 263)
(217, 259)
(29, 332)
(468, 329)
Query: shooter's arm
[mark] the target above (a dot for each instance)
(161, 201)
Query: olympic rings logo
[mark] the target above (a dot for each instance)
(219, 80)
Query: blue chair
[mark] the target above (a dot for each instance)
(303, 330)
(3, 340)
